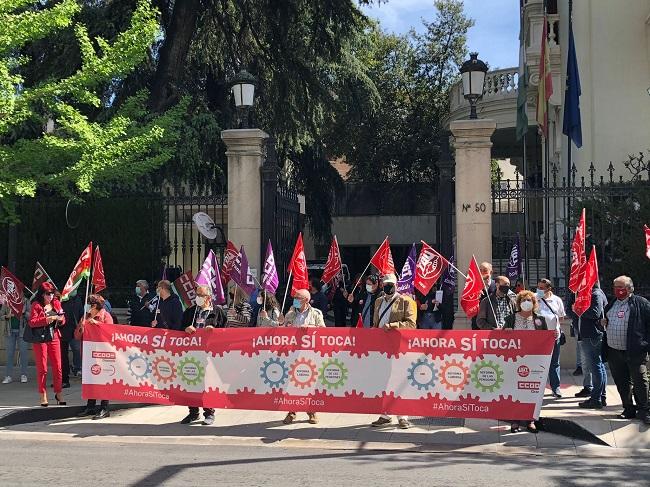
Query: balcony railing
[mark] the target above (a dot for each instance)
(499, 84)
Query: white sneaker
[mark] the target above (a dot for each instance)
(7, 380)
(23, 378)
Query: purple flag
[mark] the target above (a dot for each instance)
(449, 277)
(241, 273)
(209, 276)
(405, 283)
(513, 271)
(270, 279)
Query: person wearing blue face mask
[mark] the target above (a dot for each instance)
(139, 310)
(302, 315)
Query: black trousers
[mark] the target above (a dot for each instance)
(340, 317)
(630, 372)
(92, 404)
(65, 360)
(206, 411)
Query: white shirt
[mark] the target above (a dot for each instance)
(552, 312)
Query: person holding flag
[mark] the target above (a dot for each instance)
(14, 327)
(364, 301)
(169, 314)
(269, 315)
(393, 311)
(139, 312)
(494, 309)
(627, 320)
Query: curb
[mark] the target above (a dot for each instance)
(35, 415)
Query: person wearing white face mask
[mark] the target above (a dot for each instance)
(202, 316)
(551, 307)
(364, 302)
(269, 314)
(525, 318)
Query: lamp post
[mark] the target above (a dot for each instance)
(243, 91)
(473, 73)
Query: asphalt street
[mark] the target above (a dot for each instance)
(71, 462)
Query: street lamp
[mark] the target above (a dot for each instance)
(473, 72)
(243, 91)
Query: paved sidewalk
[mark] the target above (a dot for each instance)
(159, 424)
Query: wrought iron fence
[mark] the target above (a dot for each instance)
(544, 218)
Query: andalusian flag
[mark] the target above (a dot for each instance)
(81, 270)
(522, 84)
(545, 87)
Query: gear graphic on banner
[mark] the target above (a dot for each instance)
(487, 376)
(191, 371)
(139, 366)
(164, 370)
(454, 376)
(333, 373)
(274, 371)
(303, 373)
(422, 374)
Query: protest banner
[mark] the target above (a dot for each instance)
(466, 374)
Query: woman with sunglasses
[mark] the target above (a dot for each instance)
(47, 311)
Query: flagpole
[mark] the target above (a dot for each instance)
(569, 157)
(48, 276)
(286, 290)
(362, 274)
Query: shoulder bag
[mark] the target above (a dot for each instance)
(42, 334)
(562, 335)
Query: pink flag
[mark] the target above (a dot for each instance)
(241, 273)
(209, 276)
(647, 241)
(270, 279)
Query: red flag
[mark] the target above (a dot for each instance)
(12, 289)
(40, 276)
(589, 278)
(99, 279)
(333, 265)
(228, 260)
(429, 268)
(383, 259)
(81, 270)
(647, 241)
(578, 257)
(471, 297)
(359, 321)
(298, 267)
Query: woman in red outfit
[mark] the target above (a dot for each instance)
(47, 311)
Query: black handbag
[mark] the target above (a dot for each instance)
(42, 334)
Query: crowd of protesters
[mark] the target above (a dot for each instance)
(617, 331)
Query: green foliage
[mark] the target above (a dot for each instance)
(397, 141)
(85, 152)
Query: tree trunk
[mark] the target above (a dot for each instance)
(171, 65)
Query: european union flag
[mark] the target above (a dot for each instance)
(572, 126)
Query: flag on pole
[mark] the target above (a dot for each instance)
(383, 259)
(41, 276)
(578, 256)
(359, 321)
(210, 276)
(185, 289)
(449, 278)
(513, 271)
(333, 266)
(81, 270)
(572, 124)
(241, 273)
(647, 241)
(12, 289)
(545, 86)
(405, 283)
(98, 279)
(270, 278)
(228, 260)
(471, 296)
(429, 268)
(522, 84)
(589, 278)
(298, 267)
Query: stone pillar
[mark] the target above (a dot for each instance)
(473, 192)
(245, 152)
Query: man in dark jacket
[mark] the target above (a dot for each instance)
(139, 308)
(628, 331)
(73, 308)
(494, 309)
(489, 287)
(170, 310)
(591, 334)
(318, 298)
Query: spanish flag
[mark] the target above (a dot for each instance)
(545, 87)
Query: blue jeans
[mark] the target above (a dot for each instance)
(579, 354)
(592, 360)
(75, 345)
(554, 370)
(14, 339)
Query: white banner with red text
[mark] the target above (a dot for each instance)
(463, 374)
